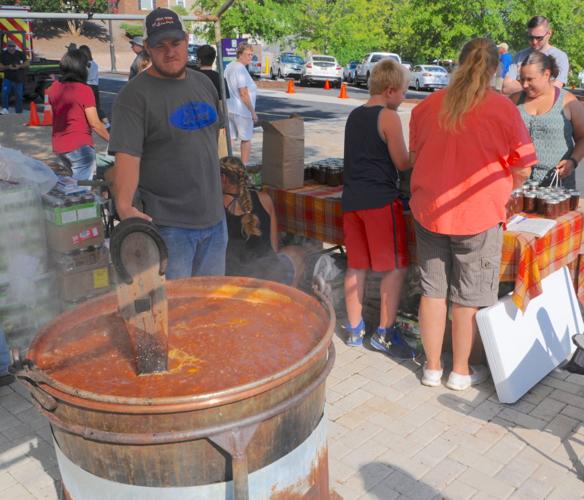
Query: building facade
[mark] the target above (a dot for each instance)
(145, 6)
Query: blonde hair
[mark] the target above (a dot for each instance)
(387, 73)
(234, 170)
(478, 62)
(242, 47)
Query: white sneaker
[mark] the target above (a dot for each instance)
(4, 111)
(431, 378)
(458, 382)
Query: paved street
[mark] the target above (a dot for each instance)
(389, 437)
(319, 104)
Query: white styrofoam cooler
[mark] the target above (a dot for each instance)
(523, 347)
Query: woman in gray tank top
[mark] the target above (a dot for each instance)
(554, 118)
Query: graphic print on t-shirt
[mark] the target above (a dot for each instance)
(193, 116)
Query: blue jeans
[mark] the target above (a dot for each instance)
(4, 354)
(81, 162)
(195, 252)
(7, 87)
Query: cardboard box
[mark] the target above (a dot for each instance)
(283, 153)
(61, 209)
(74, 236)
(88, 277)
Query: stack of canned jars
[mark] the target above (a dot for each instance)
(550, 202)
(328, 171)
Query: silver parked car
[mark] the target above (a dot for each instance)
(349, 71)
(428, 76)
(287, 65)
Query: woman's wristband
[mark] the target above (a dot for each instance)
(573, 160)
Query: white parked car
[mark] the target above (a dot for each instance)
(363, 70)
(428, 76)
(287, 65)
(319, 68)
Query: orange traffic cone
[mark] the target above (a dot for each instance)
(47, 112)
(33, 120)
(343, 92)
(327, 85)
(290, 87)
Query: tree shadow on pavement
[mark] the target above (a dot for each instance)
(32, 141)
(270, 108)
(26, 449)
(545, 430)
(96, 30)
(55, 28)
(49, 28)
(386, 482)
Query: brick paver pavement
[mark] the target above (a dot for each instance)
(389, 437)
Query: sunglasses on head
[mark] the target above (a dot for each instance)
(537, 38)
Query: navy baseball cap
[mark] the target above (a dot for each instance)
(162, 24)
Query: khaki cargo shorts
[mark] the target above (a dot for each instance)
(464, 269)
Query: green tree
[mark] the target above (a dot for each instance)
(271, 20)
(567, 20)
(437, 30)
(346, 29)
(418, 30)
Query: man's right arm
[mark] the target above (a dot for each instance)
(510, 82)
(510, 86)
(126, 173)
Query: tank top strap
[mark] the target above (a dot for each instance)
(260, 211)
(559, 97)
(521, 100)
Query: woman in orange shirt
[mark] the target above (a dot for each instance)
(469, 148)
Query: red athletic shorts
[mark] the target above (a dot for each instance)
(376, 238)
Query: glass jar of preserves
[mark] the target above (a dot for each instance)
(516, 204)
(529, 202)
(565, 203)
(540, 202)
(552, 208)
(334, 176)
(320, 175)
(574, 199)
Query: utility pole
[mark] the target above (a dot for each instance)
(111, 8)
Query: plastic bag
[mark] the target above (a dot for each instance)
(17, 167)
(326, 268)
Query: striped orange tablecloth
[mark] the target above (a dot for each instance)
(314, 211)
(527, 259)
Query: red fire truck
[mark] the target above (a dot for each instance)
(41, 71)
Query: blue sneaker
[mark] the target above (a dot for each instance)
(355, 337)
(390, 341)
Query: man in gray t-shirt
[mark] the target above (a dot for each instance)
(539, 33)
(164, 134)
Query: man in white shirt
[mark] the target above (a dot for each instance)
(241, 103)
(539, 33)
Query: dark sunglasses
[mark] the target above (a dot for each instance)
(537, 38)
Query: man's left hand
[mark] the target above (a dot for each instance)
(565, 168)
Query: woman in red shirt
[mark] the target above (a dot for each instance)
(469, 148)
(75, 116)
